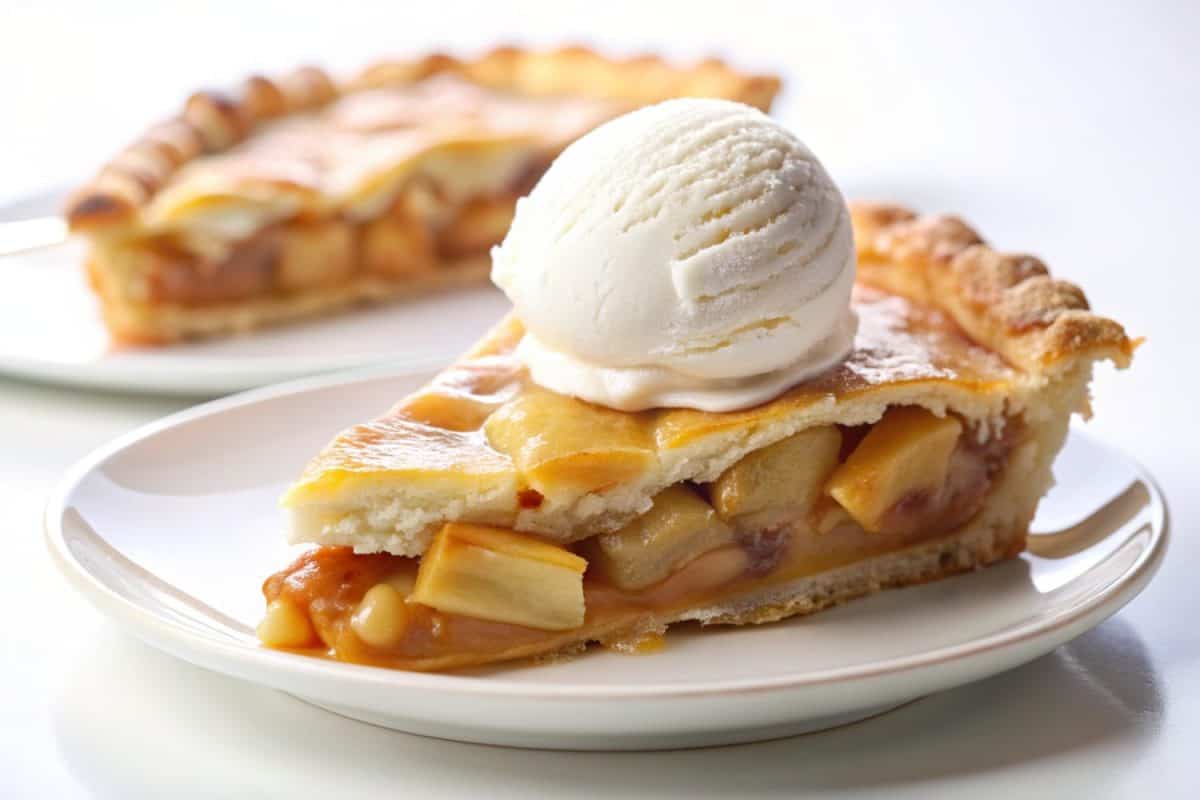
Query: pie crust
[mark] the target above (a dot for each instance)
(299, 195)
(985, 342)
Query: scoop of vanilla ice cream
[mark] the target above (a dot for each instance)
(693, 253)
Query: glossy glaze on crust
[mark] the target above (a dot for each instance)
(214, 121)
(457, 422)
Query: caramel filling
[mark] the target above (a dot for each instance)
(823, 499)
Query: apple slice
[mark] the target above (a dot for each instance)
(679, 527)
(905, 454)
(500, 575)
(780, 482)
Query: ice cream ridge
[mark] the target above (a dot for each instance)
(691, 254)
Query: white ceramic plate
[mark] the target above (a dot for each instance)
(171, 530)
(50, 330)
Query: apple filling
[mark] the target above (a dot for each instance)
(421, 231)
(824, 498)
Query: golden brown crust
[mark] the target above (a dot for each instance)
(213, 121)
(1006, 301)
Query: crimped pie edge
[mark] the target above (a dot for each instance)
(213, 121)
(1007, 302)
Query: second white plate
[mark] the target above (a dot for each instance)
(172, 529)
(50, 330)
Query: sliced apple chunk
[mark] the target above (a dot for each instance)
(905, 454)
(778, 482)
(679, 527)
(503, 576)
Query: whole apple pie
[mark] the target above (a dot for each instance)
(301, 195)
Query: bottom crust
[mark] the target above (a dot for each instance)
(972, 549)
(132, 323)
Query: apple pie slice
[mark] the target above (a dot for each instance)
(485, 518)
(300, 195)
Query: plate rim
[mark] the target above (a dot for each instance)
(138, 619)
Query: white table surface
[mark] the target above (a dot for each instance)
(1068, 130)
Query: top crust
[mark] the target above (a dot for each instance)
(214, 121)
(946, 323)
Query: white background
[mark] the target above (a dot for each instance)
(1069, 130)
